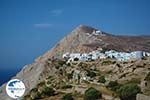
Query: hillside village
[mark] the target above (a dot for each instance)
(94, 55)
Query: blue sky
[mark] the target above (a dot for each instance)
(31, 27)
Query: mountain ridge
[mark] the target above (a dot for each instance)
(82, 37)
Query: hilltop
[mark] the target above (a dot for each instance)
(85, 39)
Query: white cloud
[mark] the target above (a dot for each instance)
(43, 25)
(56, 12)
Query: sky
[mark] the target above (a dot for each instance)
(28, 28)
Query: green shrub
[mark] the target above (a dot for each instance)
(41, 84)
(57, 66)
(68, 64)
(102, 79)
(91, 73)
(26, 97)
(113, 85)
(67, 96)
(35, 94)
(61, 62)
(104, 50)
(34, 90)
(148, 77)
(128, 91)
(109, 72)
(118, 65)
(125, 92)
(61, 71)
(48, 91)
(134, 80)
(92, 94)
(49, 77)
(69, 75)
(66, 86)
(108, 62)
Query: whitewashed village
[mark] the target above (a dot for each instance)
(97, 54)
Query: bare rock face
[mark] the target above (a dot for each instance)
(142, 97)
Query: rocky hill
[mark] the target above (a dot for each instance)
(51, 68)
(84, 39)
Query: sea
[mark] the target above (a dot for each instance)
(7, 74)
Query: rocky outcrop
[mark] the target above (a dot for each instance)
(142, 97)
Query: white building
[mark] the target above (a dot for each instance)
(66, 55)
(123, 56)
(137, 54)
(97, 32)
(148, 54)
(97, 55)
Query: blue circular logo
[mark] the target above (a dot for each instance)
(15, 88)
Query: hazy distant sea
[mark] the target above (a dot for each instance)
(7, 74)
